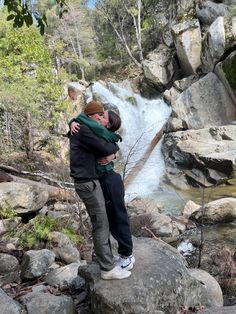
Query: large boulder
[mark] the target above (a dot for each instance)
(159, 67)
(200, 157)
(222, 210)
(188, 44)
(213, 45)
(226, 72)
(160, 283)
(205, 103)
(22, 197)
(208, 11)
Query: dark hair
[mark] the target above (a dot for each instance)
(114, 120)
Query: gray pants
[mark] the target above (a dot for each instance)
(92, 196)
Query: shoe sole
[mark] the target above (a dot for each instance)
(115, 278)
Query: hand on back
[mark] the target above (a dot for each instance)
(74, 127)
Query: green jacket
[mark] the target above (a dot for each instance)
(102, 132)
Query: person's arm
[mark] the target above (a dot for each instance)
(94, 144)
(106, 160)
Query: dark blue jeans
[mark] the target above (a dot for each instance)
(113, 191)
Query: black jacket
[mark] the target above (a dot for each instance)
(85, 148)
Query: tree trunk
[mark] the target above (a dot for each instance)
(140, 163)
(29, 136)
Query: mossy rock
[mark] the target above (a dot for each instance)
(229, 67)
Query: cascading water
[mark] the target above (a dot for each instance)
(141, 119)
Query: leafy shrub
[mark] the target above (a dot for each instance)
(39, 230)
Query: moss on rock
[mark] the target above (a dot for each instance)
(229, 67)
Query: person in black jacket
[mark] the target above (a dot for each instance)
(85, 148)
(112, 185)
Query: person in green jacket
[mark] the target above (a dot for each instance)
(112, 185)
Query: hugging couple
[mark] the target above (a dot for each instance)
(93, 145)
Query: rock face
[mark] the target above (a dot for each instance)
(160, 283)
(204, 103)
(159, 67)
(187, 39)
(204, 157)
(213, 45)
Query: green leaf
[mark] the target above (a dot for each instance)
(10, 17)
(28, 19)
(21, 22)
(42, 28)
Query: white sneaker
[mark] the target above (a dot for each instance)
(124, 262)
(115, 273)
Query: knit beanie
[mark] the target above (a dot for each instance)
(93, 107)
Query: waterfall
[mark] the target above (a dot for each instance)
(142, 119)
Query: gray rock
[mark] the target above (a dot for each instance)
(65, 276)
(208, 12)
(8, 263)
(204, 157)
(188, 44)
(220, 310)
(205, 103)
(213, 45)
(159, 282)
(64, 248)
(221, 210)
(9, 306)
(22, 197)
(159, 66)
(46, 303)
(36, 263)
(9, 224)
(212, 286)
(9, 269)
